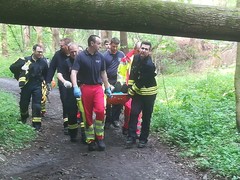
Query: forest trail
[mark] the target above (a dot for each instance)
(53, 157)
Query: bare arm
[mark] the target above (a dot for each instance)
(105, 79)
(74, 77)
(60, 77)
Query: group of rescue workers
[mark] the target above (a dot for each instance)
(84, 76)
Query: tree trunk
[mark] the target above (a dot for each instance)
(56, 39)
(155, 17)
(4, 40)
(237, 83)
(26, 37)
(39, 34)
(106, 35)
(124, 42)
(69, 33)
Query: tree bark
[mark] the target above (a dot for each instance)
(55, 38)
(39, 34)
(237, 83)
(26, 37)
(124, 42)
(154, 17)
(4, 40)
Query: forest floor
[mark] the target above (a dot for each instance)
(52, 156)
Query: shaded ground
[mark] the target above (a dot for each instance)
(52, 156)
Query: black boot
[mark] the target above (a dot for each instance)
(73, 134)
(37, 126)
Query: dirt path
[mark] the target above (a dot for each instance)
(52, 156)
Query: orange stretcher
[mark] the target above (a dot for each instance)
(118, 98)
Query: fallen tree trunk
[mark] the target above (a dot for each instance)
(154, 17)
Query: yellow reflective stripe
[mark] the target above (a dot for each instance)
(130, 82)
(65, 120)
(22, 78)
(131, 92)
(99, 127)
(145, 91)
(82, 124)
(73, 126)
(135, 88)
(89, 132)
(36, 119)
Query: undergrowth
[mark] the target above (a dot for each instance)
(13, 133)
(197, 114)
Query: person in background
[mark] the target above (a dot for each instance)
(113, 57)
(106, 45)
(64, 72)
(90, 68)
(143, 90)
(33, 71)
(59, 57)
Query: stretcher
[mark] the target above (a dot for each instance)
(118, 98)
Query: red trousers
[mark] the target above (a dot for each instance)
(93, 101)
(127, 111)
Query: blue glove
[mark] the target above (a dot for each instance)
(77, 92)
(108, 92)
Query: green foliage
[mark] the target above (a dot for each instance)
(5, 64)
(13, 133)
(198, 114)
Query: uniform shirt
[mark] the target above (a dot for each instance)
(142, 76)
(112, 63)
(65, 68)
(58, 58)
(37, 69)
(89, 67)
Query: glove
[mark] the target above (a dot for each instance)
(77, 92)
(67, 84)
(108, 92)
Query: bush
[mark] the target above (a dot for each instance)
(13, 133)
(198, 115)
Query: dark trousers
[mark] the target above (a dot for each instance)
(113, 112)
(31, 89)
(63, 97)
(144, 104)
(71, 109)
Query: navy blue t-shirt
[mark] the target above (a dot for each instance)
(89, 67)
(112, 63)
(65, 68)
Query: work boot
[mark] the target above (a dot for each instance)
(124, 131)
(65, 128)
(73, 134)
(24, 118)
(116, 124)
(129, 142)
(73, 139)
(107, 125)
(101, 145)
(83, 136)
(37, 126)
(92, 146)
(142, 144)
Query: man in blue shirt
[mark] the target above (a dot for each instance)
(113, 57)
(89, 67)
